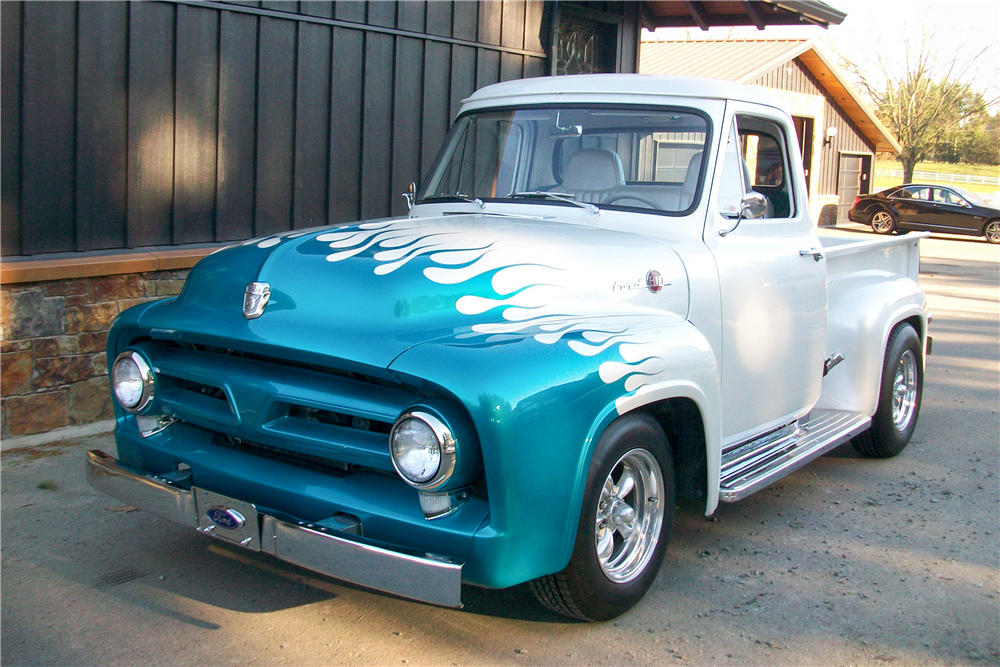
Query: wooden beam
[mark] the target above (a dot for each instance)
(698, 13)
(753, 10)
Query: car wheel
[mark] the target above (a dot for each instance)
(625, 524)
(899, 397)
(883, 222)
(992, 231)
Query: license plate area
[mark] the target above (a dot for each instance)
(228, 519)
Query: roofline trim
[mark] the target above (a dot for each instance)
(783, 12)
(821, 11)
(839, 75)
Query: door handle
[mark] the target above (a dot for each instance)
(815, 253)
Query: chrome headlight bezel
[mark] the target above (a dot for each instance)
(145, 375)
(446, 448)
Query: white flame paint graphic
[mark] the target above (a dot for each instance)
(275, 239)
(536, 297)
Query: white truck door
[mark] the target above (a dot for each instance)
(773, 287)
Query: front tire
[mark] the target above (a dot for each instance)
(895, 417)
(883, 222)
(625, 524)
(992, 231)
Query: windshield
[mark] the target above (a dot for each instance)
(606, 157)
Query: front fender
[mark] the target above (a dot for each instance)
(539, 408)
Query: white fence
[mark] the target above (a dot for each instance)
(938, 177)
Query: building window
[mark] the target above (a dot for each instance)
(585, 45)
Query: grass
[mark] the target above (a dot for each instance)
(883, 182)
(945, 167)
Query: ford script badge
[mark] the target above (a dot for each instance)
(255, 300)
(226, 518)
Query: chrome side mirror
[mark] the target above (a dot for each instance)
(753, 206)
(410, 195)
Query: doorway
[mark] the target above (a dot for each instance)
(853, 179)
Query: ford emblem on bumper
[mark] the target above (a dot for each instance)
(226, 518)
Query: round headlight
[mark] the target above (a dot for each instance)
(423, 449)
(132, 381)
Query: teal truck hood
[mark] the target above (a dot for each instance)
(363, 294)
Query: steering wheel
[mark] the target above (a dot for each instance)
(642, 199)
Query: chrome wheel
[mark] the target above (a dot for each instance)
(629, 516)
(904, 391)
(883, 223)
(898, 407)
(993, 231)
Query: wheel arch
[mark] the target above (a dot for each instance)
(689, 416)
(682, 421)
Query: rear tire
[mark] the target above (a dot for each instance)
(625, 524)
(883, 222)
(895, 417)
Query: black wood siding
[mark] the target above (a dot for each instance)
(849, 138)
(128, 125)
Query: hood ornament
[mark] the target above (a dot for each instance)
(255, 300)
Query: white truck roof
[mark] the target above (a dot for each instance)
(617, 88)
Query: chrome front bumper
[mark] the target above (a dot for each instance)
(425, 578)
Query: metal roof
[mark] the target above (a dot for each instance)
(759, 13)
(743, 61)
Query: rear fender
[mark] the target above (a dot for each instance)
(863, 311)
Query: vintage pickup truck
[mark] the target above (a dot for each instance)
(608, 294)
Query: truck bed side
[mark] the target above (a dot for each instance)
(872, 287)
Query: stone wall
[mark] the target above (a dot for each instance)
(53, 366)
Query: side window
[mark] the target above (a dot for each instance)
(942, 196)
(756, 158)
(765, 152)
(914, 192)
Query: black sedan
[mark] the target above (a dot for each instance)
(930, 208)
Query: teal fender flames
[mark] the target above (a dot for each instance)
(544, 332)
(539, 410)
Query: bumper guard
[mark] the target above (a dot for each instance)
(426, 578)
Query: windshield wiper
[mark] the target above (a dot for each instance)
(558, 196)
(457, 195)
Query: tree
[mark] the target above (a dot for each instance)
(922, 98)
(975, 140)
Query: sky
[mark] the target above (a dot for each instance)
(961, 29)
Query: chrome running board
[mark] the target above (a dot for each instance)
(749, 467)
